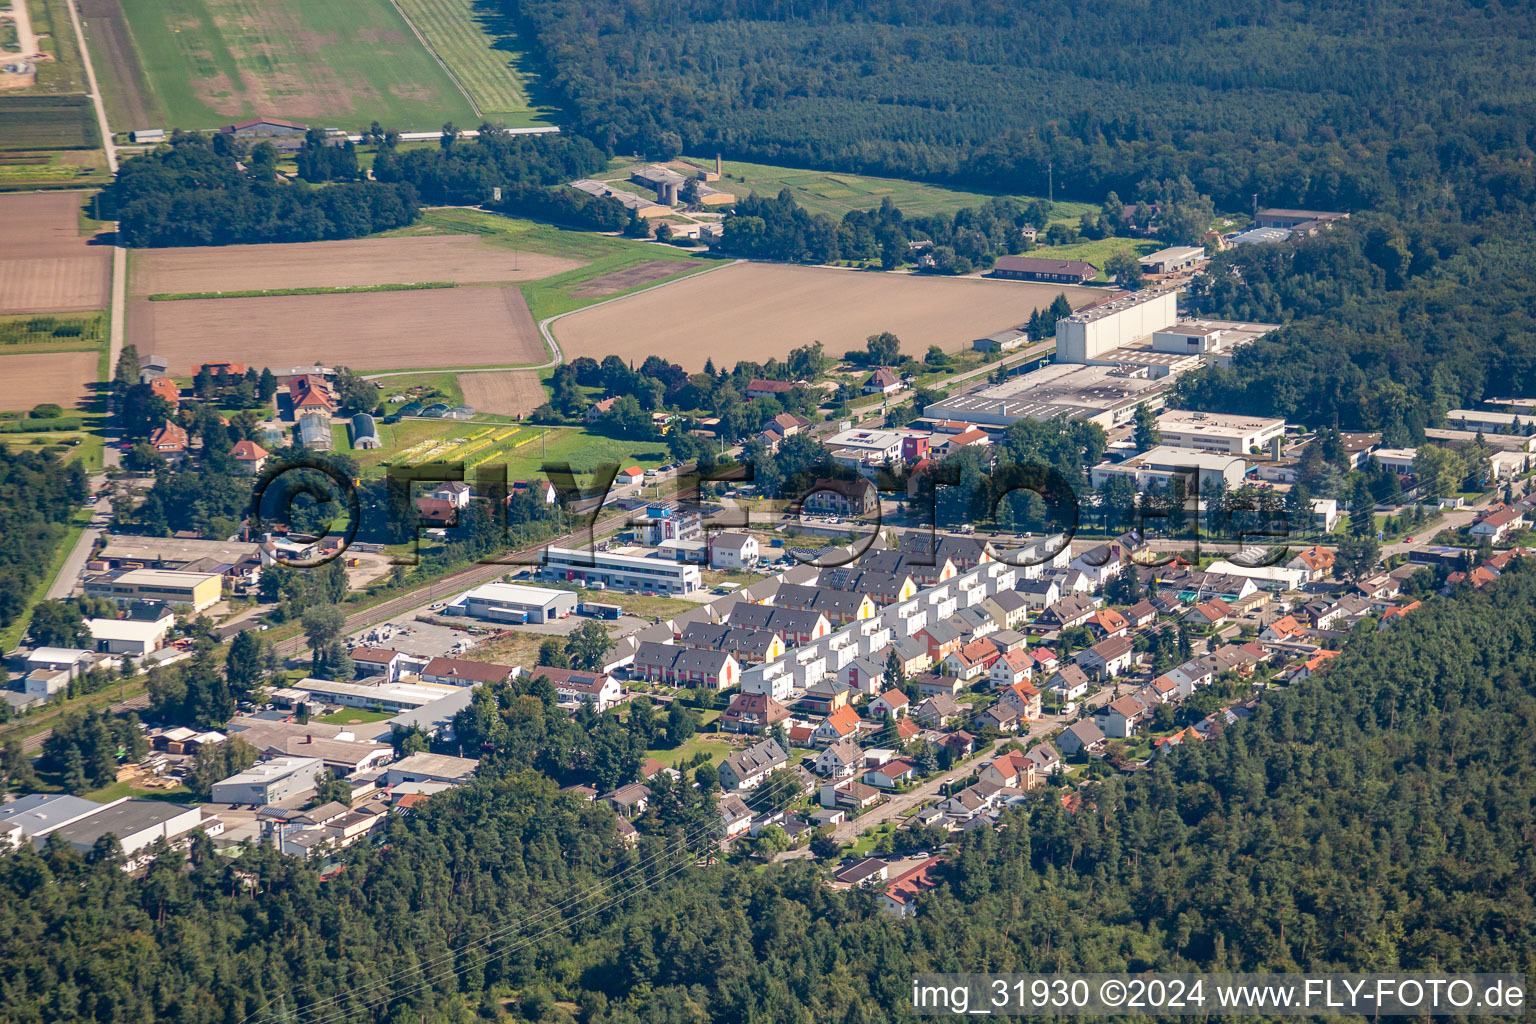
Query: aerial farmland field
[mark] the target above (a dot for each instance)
(758, 310)
(209, 62)
(481, 48)
(371, 331)
(46, 264)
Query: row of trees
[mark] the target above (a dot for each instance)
(39, 494)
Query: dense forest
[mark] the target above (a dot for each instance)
(39, 494)
(1388, 326)
(1369, 818)
(202, 191)
(1306, 104)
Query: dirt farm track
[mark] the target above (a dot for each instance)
(366, 331)
(464, 259)
(757, 310)
(46, 265)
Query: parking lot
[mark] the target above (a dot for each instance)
(404, 633)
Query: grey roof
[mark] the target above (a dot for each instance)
(767, 754)
(122, 820)
(846, 751)
(779, 620)
(36, 812)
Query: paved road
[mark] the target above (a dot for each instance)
(69, 573)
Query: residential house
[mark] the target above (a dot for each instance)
(1071, 682)
(458, 672)
(883, 381)
(971, 661)
(735, 815)
(1120, 717)
(574, 686)
(748, 769)
(931, 685)
(1496, 527)
(629, 801)
(826, 696)
(891, 702)
(937, 711)
(1082, 736)
(1108, 658)
(1022, 699)
(1047, 760)
(1013, 770)
(1212, 613)
(732, 550)
(1316, 562)
(1106, 622)
(1013, 607)
(1074, 610)
(839, 760)
(752, 713)
(1001, 718)
(249, 457)
(1015, 666)
(171, 441)
(891, 774)
(839, 725)
(1142, 613)
(797, 627)
(901, 896)
(842, 497)
(865, 675)
(1039, 594)
(1283, 630)
(758, 387)
(941, 639)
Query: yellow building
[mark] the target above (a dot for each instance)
(189, 590)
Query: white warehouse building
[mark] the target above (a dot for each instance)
(1216, 431)
(511, 602)
(630, 572)
(1088, 334)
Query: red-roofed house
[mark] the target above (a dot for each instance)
(839, 725)
(631, 475)
(900, 897)
(882, 382)
(249, 456)
(170, 441)
(166, 388)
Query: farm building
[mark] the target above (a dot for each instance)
(1036, 268)
(365, 434)
(315, 433)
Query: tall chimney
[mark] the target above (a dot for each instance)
(1274, 447)
(719, 166)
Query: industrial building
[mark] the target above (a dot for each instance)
(1161, 464)
(1489, 422)
(1173, 259)
(269, 781)
(423, 767)
(190, 590)
(135, 823)
(624, 571)
(395, 697)
(1216, 431)
(128, 636)
(1106, 395)
(510, 602)
(1089, 333)
(1293, 220)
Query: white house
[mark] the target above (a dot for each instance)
(732, 551)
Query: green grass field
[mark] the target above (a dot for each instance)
(482, 50)
(55, 35)
(52, 169)
(210, 62)
(1096, 251)
(837, 193)
(522, 449)
(602, 254)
